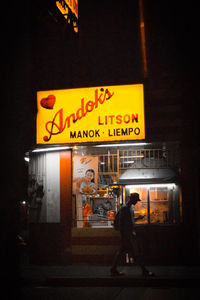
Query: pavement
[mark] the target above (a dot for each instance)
(99, 276)
(94, 282)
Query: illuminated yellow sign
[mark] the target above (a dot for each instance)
(73, 5)
(96, 114)
(64, 6)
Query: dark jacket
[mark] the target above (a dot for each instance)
(126, 219)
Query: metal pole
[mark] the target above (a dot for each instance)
(148, 205)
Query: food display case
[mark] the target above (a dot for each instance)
(102, 208)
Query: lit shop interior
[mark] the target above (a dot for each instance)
(105, 175)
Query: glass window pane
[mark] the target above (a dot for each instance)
(159, 205)
(141, 207)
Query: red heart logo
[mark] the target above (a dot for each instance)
(48, 102)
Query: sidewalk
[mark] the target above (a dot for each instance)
(90, 275)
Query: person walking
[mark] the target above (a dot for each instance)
(129, 242)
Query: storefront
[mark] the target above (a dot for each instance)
(91, 154)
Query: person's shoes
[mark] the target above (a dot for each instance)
(147, 273)
(114, 272)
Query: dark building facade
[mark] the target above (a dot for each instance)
(109, 50)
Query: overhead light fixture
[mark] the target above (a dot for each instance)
(132, 156)
(51, 149)
(158, 185)
(122, 145)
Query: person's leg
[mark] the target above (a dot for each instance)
(117, 259)
(113, 270)
(138, 257)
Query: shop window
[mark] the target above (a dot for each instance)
(141, 208)
(97, 194)
(159, 205)
(96, 197)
